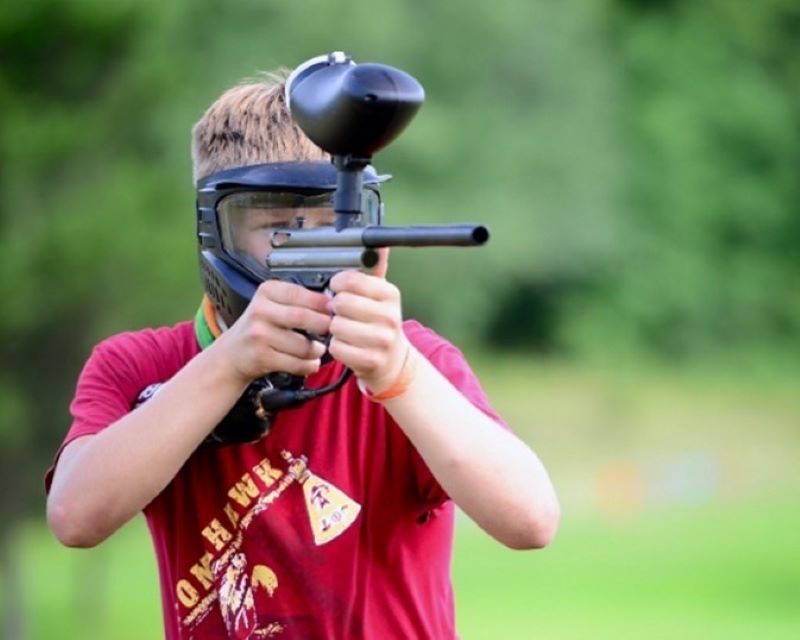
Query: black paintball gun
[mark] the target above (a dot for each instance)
(351, 111)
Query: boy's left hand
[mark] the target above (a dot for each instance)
(367, 328)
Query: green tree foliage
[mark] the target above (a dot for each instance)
(710, 225)
(62, 71)
(57, 66)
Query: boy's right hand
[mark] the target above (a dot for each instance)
(264, 339)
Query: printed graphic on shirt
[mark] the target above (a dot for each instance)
(237, 587)
(236, 598)
(224, 573)
(330, 511)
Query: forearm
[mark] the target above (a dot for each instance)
(490, 474)
(103, 480)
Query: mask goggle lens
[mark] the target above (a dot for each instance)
(248, 218)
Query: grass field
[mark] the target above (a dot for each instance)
(681, 501)
(724, 572)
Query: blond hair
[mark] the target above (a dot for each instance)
(249, 124)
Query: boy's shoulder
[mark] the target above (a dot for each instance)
(424, 339)
(450, 361)
(168, 344)
(156, 337)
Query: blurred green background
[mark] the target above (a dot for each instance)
(636, 315)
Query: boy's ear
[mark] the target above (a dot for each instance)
(383, 263)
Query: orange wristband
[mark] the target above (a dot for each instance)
(404, 379)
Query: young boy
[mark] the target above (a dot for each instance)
(339, 522)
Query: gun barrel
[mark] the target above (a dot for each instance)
(302, 258)
(456, 235)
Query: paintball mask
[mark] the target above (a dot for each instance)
(239, 209)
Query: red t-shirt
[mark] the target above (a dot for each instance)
(332, 526)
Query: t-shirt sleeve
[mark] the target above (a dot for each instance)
(452, 364)
(105, 392)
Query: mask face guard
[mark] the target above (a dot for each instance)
(229, 277)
